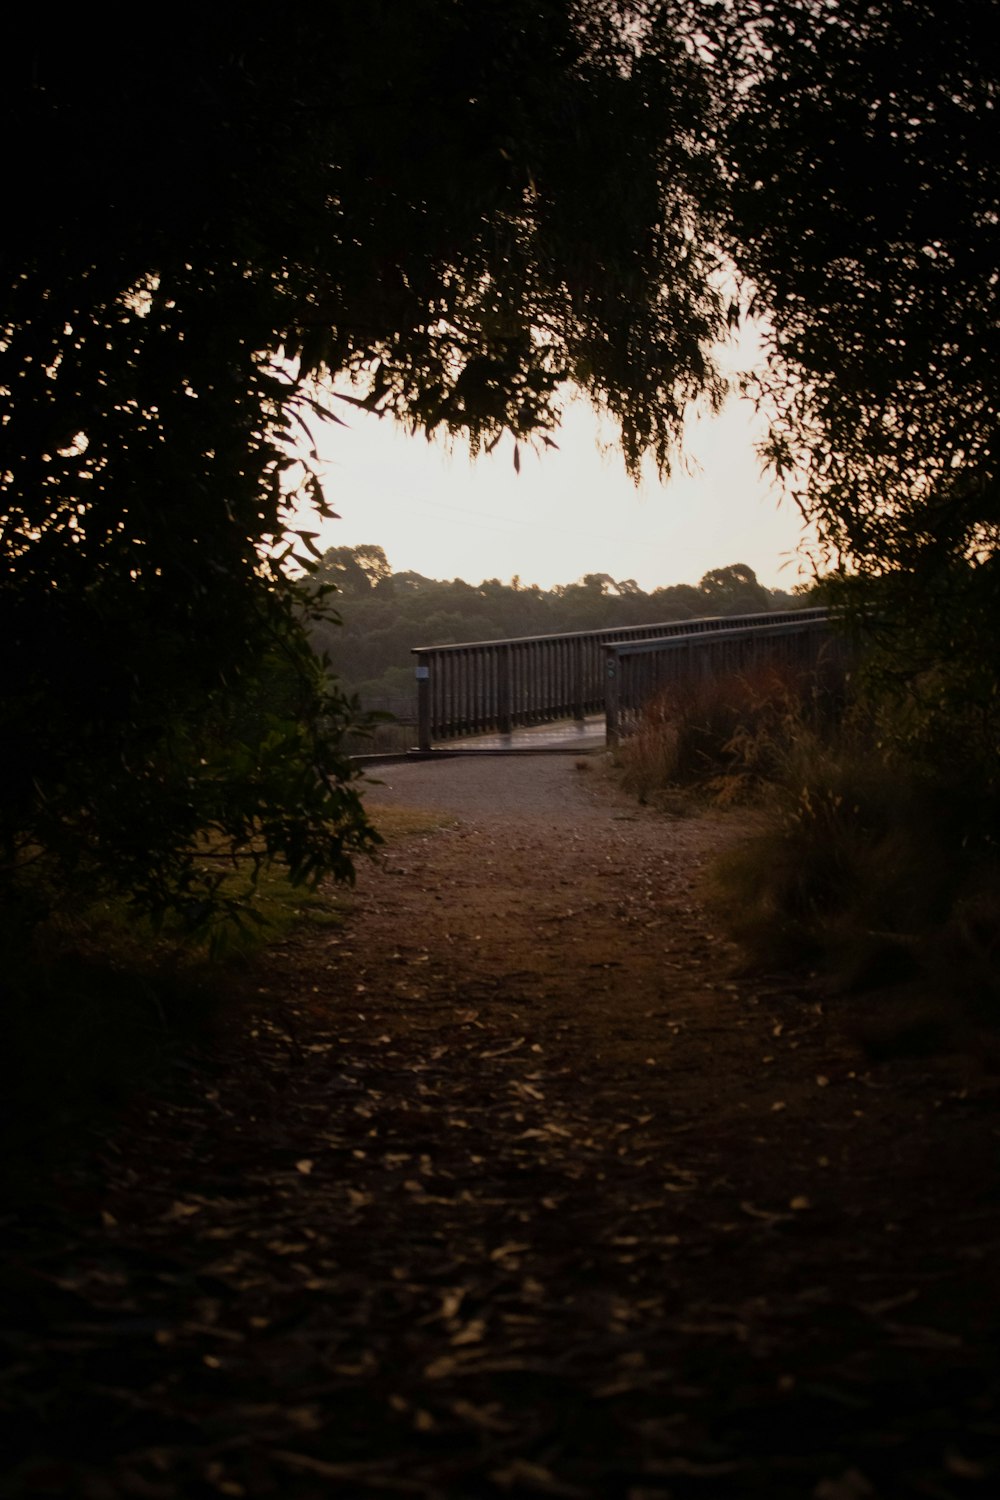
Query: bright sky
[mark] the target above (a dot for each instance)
(567, 513)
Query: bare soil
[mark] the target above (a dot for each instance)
(513, 1186)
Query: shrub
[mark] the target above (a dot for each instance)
(873, 865)
(727, 735)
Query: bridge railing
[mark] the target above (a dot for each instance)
(484, 687)
(637, 672)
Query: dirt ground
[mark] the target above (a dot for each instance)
(512, 1186)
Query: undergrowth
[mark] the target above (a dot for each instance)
(98, 999)
(726, 736)
(878, 869)
(95, 1000)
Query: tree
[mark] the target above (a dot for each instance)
(734, 591)
(865, 213)
(354, 571)
(457, 206)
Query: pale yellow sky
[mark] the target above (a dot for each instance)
(568, 512)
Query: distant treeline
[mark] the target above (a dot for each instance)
(386, 614)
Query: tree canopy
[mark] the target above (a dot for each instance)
(456, 207)
(864, 209)
(865, 212)
(452, 211)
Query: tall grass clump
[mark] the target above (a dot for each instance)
(726, 736)
(876, 865)
(862, 863)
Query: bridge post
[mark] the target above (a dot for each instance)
(423, 675)
(505, 706)
(611, 696)
(579, 686)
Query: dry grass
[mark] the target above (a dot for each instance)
(861, 864)
(395, 822)
(725, 736)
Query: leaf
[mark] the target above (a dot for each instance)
(520, 1474)
(452, 1298)
(486, 1417)
(964, 1468)
(309, 539)
(356, 1473)
(916, 1336)
(472, 1333)
(503, 1051)
(852, 1485)
(765, 1214)
(178, 1210)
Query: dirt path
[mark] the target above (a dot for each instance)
(511, 1189)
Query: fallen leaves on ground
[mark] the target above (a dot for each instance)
(474, 1244)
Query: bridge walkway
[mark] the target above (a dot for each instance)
(581, 736)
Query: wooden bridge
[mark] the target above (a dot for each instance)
(494, 687)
